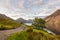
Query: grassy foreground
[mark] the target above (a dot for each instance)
(33, 35)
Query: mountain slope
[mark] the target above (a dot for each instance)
(53, 22)
(21, 20)
(24, 21)
(4, 16)
(30, 20)
(7, 23)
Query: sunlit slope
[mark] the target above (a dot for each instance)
(7, 23)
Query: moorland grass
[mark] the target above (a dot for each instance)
(33, 35)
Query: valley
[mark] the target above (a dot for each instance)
(37, 29)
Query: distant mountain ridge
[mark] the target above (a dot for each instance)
(24, 21)
(53, 22)
(21, 20)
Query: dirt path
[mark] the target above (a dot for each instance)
(5, 33)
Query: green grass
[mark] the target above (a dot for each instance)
(8, 24)
(46, 36)
(33, 35)
(18, 36)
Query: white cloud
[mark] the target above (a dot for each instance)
(28, 8)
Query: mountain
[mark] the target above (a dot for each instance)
(24, 21)
(21, 20)
(30, 21)
(53, 22)
(7, 22)
(4, 16)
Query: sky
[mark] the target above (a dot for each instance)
(28, 9)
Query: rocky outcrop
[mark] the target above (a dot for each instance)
(53, 22)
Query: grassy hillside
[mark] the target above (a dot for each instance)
(6, 23)
(33, 35)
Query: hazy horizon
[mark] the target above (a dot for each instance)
(28, 9)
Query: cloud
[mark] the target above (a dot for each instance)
(28, 8)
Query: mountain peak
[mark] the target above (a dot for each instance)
(57, 12)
